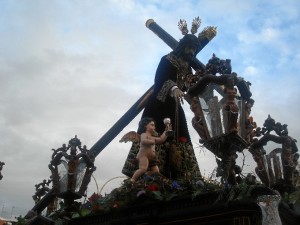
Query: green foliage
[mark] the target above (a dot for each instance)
(20, 220)
(151, 189)
(293, 198)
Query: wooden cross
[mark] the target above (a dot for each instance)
(138, 106)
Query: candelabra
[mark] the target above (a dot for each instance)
(71, 172)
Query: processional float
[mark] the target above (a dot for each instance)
(221, 103)
(134, 110)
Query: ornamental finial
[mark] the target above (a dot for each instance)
(208, 32)
(195, 25)
(183, 27)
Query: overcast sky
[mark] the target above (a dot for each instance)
(75, 67)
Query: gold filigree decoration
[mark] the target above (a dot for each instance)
(208, 32)
(195, 25)
(183, 27)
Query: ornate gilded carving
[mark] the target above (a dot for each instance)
(79, 168)
(41, 189)
(208, 33)
(288, 152)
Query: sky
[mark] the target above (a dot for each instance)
(75, 67)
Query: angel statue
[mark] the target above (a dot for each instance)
(146, 156)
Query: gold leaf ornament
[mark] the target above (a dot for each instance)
(182, 25)
(195, 25)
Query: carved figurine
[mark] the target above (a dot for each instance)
(261, 170)
(198, 120)
(250, 125)
(146, 156)
(230, 111)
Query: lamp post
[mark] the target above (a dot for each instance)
(70, 183)
(218, 122)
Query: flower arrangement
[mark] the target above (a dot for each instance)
(147, 189)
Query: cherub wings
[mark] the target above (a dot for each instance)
(131, 136)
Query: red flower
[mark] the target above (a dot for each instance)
(152, 187)
(94, 197)
(182, 139)
(116, 205)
